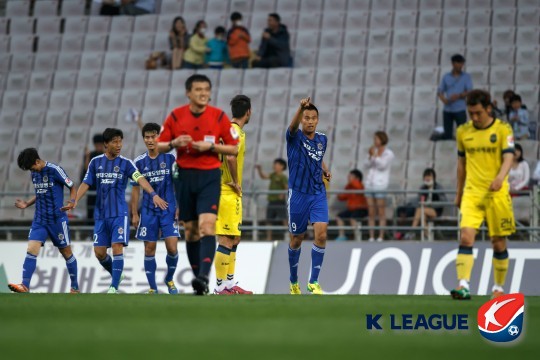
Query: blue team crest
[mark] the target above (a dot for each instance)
(163, 165)
(116, 169)
(319, 146)
(45, 179)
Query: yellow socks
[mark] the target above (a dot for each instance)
(464, 263)
(232, 265)
(500, 267)
(222, 262)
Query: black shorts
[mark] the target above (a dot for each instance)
(197, 192)
(353, 214)
(276, 210)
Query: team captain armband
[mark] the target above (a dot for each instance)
(136, 176)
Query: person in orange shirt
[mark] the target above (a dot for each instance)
(238, 40)
(356, 203)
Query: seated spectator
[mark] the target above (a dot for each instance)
(356, 203)
(178, 41)
(218, 55)
(519, 175)
(274, 50)
(519, 118)
(277, 208)
(238, 40)
(197, 49)
(137, 7)
(429, 198)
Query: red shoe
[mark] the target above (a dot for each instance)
(238, 290)
(224, 292)
(74, 291)
(18, 288)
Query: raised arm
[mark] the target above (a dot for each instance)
(297, 118)
(261, 172)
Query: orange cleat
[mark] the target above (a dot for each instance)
(18, 288)
(495, 294)
(238, 290)
(74, 291)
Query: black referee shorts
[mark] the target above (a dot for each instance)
(197, 192)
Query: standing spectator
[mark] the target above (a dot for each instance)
(356, 203)
(178, 41)
(519, 118)
(452, 92)
(274, 50)
(238, 40)
(507, 96)
(194, 55)
(99, 149)
(519, 175)
(217, 56)
(378, 176)
(276, 210)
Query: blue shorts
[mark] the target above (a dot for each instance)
(305, 208)
(58, 232)
(150, 226)
(111, 231)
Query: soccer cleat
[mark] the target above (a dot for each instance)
(238, 290)
(225, 291)
(151, 292)
(200, 285)
(122, 277)
(295, 289)
(496, 293)
(171, 287)
(112, 290)
(18, 288)
(461, 293)
(314, 288)
(74, 291)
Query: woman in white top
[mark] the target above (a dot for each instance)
(378, 176)
(519, 175)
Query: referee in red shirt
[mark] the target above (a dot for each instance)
(199, 132)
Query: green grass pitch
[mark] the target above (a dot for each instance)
(62, 326)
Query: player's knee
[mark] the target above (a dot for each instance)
(207, 228)
(498, 244)
(296, 241)
(66, 252)
(467, 238)
(150, 249)
(100, 254)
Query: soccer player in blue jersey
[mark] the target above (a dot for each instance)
(306, 201)
(157, 168)
(110, 173)
(49, 219)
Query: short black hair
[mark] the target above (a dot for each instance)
(240, 104)
(518, 147)
(428, 172)
(150, 127)
(515, 97)
(97, 139)
(111, 133)
(27, 158)
(281, 162)
(275, 16)
(219, 30)
(357, 174)
(312, 107)
(197, 78)
(236, 16)
(457, 58)
(478, 96)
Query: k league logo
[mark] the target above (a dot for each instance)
(501, 319)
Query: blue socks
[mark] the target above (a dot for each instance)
(150, 270)
(294, 258)
(172, 261)
(117, 269)
(317, 256)
(29, 266)
(208, 251)
(107, 264)
(71, 264)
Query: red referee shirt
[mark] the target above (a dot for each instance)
(212, 125)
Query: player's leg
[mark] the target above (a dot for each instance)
(193, 245)
(207, 231)
(298, 210)
(169, 231)
(150, 265)
(372, 212)
(119, 238)
(381, 211)
(30, 260)
(232, 266)
(500, 265)
(319, 217)
(222, 263)
(102, 241)
(59, 234)
(71, 264)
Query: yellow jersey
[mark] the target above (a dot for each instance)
(483, 150)
(225, 172)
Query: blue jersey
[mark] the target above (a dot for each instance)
(49, 186)
(305, 158)
(110, 178)
(159, 173)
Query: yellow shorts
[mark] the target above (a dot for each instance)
(229, 218)
(495, 208)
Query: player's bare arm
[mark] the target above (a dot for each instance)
(297, 118)
(461, 175)
(71, 202)
(497, 183)
(158, 202)
(134, 203)
(83, 188)
(217, 148)
(326, 172)
(22, 204)
(232, 163)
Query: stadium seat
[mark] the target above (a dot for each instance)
(72, 8)
(111, 79)
(142, 41)
(46, 8)
(256, 95)
(478, 18)
(421, 150)
(88, 80)
(137, 59)
(80, 117)
(103, 118)
(49, 43)
(135, 79)
(65, 80)
(10, 119)
(528, 93)
(448, 52)
(377, 57)
(503, 35)
(156, 98)
(501, 74)
(331, 39)
(21, 26)
(327, 77)
(480, 4)
(400, 95)
(131, 98)
(224, 97)
(17, 81)
(429, 18)
(405, 38)
(145, 24)
(453, 37)
(527, 55)
(504, 17)
(253, 77)
(21, 44)
(76, 24)
(17, 8)
(37, 99)
(52, 136)
(28, 135)
(72, 43)
(428, 37)
(406, 4)
(95, 42)
(352, 76)
(350, 95)
(21, 62)
(502, 55)
(92, 60)
(425, 95)
(357, 21)
(381, 19)
(405, 19)
(479, 36)
(56, 118)
(527, 74)
(353, 57)
(527, 36)
(303, 77)
(108, 99)
(479, 74)
(61, 99)
(4, 44)
(332, 19)
(478, 56)
(379, 38)
(528, 16)
(84, 99)
(99, 24)
(77, 135)
(41, 80)
(13, 100)
(426, 75)
(377, 76)
(402, 57)
(326, 96)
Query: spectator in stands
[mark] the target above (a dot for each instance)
(178, 41)
(507, 95)
(536, 174)
(238, 40)
(127, 7)
(378, 177)
(274, 50)
(194, 55)
(99, 148)
(519, 118)
(428, 197)
(276, 210)
(218, 54)
(452, 91)
(519, 175)
(356, 203)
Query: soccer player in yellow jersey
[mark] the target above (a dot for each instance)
(229, 218)
(486, 151)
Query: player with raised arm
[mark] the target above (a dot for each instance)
(199, 133)
(485, 154)
(156, 167)
(50, 220)
(307, 194)
(229, 219)
(110, 173)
